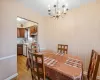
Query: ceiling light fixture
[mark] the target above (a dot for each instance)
(58, 10)
(19, 19)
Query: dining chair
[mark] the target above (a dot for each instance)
(93, 66)
(37, 67)
(35, 48)
(62, 48)
(28, 61)
(29, 51)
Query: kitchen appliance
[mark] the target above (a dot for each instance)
(25, 50)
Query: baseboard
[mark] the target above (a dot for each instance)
(11, 77)
(85, 73)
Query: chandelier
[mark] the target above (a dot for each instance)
(58, 10)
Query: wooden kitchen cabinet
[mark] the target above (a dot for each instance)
(33, 29)
(19, 49)
(20, 32)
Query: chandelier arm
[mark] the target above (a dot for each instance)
(57, 6)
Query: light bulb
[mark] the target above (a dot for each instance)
(66, 4)
(64, 10)
(49, 7)
(59, 12)
(19, 19)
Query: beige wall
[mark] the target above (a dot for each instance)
(80, 29)
(8, 67)
(9, 10)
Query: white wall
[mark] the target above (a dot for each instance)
(80, 29)
(9, 10)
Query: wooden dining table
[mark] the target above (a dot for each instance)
(61, 70)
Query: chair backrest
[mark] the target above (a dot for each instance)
(38, 70)
(29, 51)
(29, 58)
(94, 65)
(35, 48)
(62, 48)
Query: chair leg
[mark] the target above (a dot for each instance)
(32, 75)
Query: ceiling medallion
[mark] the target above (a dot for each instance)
(58, 10)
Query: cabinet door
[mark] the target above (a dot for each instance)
(35, 29)
(22, 32)
(19, 50)
(32, 30)
(18, 33)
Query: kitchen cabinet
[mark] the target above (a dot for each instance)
(33, 29)
(19, 49)
(20, 32)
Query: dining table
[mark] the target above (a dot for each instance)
(62, 66)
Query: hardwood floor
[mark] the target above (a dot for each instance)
(23, 73)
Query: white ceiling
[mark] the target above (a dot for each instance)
(41, 6)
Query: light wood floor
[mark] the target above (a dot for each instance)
(23, 73)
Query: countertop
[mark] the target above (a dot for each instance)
(23, 44)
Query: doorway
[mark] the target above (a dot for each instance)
(27, 33)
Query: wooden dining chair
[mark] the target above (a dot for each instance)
(29, 51)
(62, 48)
(37, 67)
(35, 48)
(28, 61)
(94, 65)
